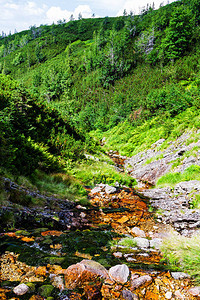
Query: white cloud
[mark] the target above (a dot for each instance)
(85, 10)
(55, 13)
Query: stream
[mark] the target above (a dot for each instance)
(116, 229)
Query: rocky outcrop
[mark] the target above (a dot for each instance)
(174, 205)
(149, 165)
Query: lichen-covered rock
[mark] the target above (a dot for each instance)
(119, 273)
(21, 289)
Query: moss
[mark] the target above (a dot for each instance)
(46, 290)
(56, 260)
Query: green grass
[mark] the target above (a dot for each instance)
(183, 254)
(171, 179)
(91, 173)
(195, 202)
(62, 185)
(126, 241)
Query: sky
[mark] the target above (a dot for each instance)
(21, 14)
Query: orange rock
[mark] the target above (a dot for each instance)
(124, 219)
(57, 246)
(75, 296)
(83, 255)
(82, 273)
(36, 297)
(41, 271)
(26, 239)
(52, 232)
(93, 292)
(151, 296)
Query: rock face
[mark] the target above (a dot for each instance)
(175, 205)
(119, 273)
(21, 289)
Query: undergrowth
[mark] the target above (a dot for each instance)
(129, 140)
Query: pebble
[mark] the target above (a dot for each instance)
(168, 295)
(179, 275)
(195, 291)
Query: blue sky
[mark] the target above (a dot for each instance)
(21, 14)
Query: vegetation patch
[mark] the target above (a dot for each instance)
(171, 179)
(183, 253)
(92, 173)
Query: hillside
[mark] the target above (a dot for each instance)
(100, 156)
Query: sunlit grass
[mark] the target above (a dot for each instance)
(183, 253)
(171, 179)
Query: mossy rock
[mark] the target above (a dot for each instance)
(50, 298)
(31, 286)
(46, 290)
(56, 260)
(22, 232)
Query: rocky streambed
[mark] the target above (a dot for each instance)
(112, 254)
(107, 250)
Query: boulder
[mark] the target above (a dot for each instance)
(119, 273)
(21, 289)
(84, 272)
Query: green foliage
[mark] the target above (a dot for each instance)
(179, 33)
(32, 134)
(60, 184)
